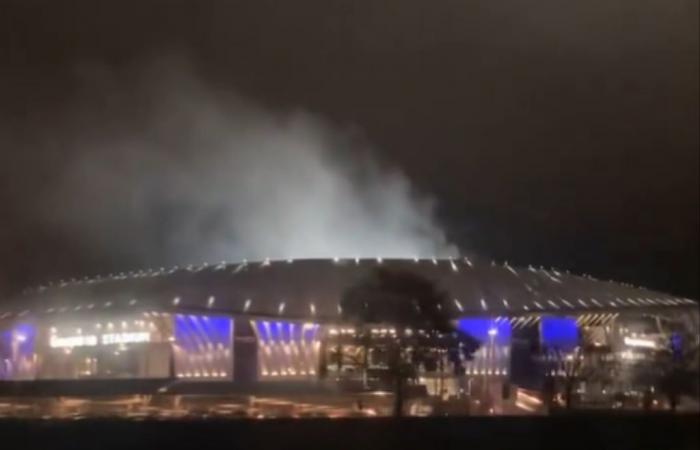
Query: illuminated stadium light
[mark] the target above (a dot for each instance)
(510, 269)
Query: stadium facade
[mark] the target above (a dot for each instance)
(265, 324)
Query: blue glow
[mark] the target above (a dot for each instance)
(192, 332)
(479, 327)
(16, 345)
(559, 332)
(286, 348)
(279, 331)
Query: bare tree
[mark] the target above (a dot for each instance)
(416, 310)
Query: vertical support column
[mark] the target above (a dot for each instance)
(245, 352)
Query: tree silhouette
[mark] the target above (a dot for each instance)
(416, 309)
(680, 368)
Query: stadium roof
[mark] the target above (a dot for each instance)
(311, 289)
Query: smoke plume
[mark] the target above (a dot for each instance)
(163, 168)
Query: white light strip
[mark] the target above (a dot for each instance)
(73, 341)
(638, 342)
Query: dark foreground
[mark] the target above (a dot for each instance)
(598, 432)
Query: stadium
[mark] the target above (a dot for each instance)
(268, 338)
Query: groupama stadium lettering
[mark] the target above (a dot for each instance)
(92, 340)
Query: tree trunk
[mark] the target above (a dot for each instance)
(441, 368)
(398, 396)
(673, 401)
(365, 366)
(395, 367)
(339, 353)
(569, 390)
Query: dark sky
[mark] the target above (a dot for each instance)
(553, 133)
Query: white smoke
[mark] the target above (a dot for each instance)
(170, 170)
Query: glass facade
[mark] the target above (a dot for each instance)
(287, 349)
(203, 347)
(118, 347)
(135, 346)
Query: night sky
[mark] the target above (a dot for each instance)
(553, 133)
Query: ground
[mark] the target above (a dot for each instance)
(599, 432)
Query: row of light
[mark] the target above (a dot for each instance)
(383, 331)
(266, 262)
(287, 348)
(209, 356)
(618, 302)
(337, 331)
(290, 371)
(203, 374)
(557, 357)
(374, 331)
(497, 372)
(110, 326)
(595, 319)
